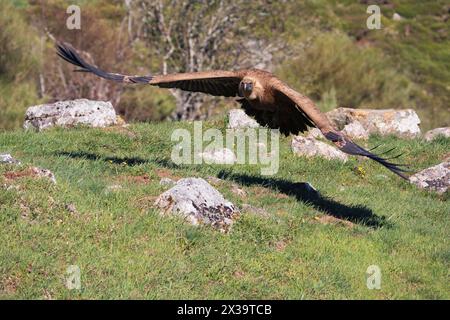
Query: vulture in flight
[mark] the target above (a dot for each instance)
(261, 94)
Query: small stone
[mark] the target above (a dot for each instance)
(312, 148)
(167, 182)
(43, 173)
(113, 188)
(8, 159)
(436, 178)
(199, 203)
(71, 208)
(433, 134)
(397, 17)
(219, 156)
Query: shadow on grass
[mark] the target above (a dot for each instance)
(300, 190)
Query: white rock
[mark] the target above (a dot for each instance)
(432, 134)
(435, 178)
(70, 113)
(355, 130)
(238, 119)
(311, 148)
(199, 203)
(219, 156)
(8, 159)
(402, 123)
(397, 17)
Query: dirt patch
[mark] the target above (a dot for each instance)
(121, 130)
(165, 173)
(13, 175)
(280, 245)
(142, 179)
(327, 219)
(9, 285)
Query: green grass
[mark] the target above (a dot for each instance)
(126, 250)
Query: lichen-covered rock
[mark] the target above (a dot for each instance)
(432, 134)
(402, 123)
(436, 178)
(310, 147)
(355, 130)
(218, 156)
(70, 113)
(8, 159)
(238, 119)
(199, 203)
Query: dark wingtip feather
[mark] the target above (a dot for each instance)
(348, 146)
(69, 54)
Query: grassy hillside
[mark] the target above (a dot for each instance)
(304, 248)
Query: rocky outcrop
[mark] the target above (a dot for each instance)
(436, 178)
(311, 147)
(238, 119)
(70, 113)
(199, 203)
(433, 134)
(402, 123)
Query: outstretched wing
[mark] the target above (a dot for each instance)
(217, 83)
(305, 106)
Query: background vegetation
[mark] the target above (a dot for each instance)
(322, 48)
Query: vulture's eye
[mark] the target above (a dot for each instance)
(248, 87)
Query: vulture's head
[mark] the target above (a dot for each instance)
(248, 88)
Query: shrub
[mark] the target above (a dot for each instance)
(19, 64)
(333, 69)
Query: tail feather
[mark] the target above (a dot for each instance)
(348, 146)
(67, 53)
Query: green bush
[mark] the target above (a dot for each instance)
(334, 70)
(19, 64)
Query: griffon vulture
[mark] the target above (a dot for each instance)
(262, 95)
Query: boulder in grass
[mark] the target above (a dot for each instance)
(433, 134)
(402, 123)
(310, 147)
(436, 178)
(199, 203)
(70, 113)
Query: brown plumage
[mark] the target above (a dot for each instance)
(262, 96)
